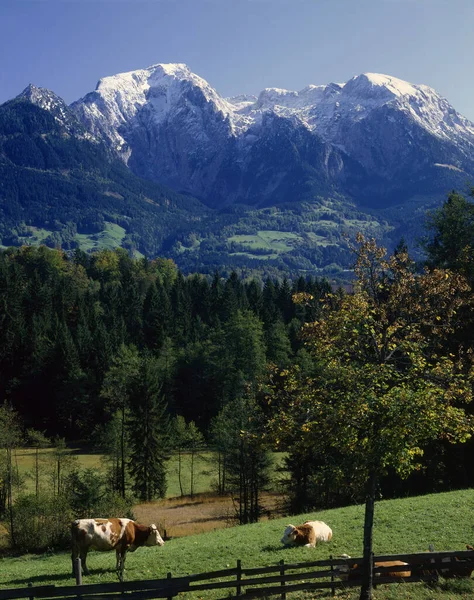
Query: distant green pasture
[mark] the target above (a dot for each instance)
(277, 242)
(109, 239)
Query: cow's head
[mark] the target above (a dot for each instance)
(154, 538)
(289, 535)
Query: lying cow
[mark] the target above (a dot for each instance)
(308, 534)
(120, 535)
(354, 572)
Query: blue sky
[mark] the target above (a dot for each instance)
(239, 46)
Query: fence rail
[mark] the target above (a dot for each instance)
(279, 580)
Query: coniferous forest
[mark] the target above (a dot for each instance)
(132, 352)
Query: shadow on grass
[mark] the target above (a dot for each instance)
(59, 577)
(461, 585)
(186, 504)
(270, 548)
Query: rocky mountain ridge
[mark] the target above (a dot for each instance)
(170, 125)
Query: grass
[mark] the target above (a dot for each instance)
(111, 237)
(204, 475)
(205, 472)
(402, 525)
(278, 242)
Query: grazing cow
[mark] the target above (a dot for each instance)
(307, 534)
(354, 572)
(120, 535)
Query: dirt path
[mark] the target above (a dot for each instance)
(205, 512)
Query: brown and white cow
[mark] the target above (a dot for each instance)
(120, 535)
(354, 572)
(308, 534)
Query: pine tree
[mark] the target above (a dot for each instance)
(116, 391)
(149, 431)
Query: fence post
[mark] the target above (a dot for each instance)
(30, 585)
(169, 576)
(333, 589)
(78, 571)
(431, 548)
(239, 577)
(372, 566)
(282, 574)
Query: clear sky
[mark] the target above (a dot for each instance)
(239, 46)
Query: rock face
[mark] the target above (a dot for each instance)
(375, 138)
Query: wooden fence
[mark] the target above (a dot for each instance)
(277, 580)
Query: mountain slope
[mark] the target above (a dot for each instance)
(56, 178)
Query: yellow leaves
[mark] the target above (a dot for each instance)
(302, 298)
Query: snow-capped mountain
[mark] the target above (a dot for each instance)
(375, 138)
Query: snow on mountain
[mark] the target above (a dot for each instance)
(169, 124)
(118, 99)
(48, 100)
(323, 108)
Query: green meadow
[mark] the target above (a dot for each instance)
(204, 469)
(111, 237)
(401, 526)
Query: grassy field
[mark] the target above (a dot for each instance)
(204, 469)
(110, 238)
(277, 242)
(403, 525)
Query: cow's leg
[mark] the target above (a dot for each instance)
(74, 555)
(120, 563)
(85, 570)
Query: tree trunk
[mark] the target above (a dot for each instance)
(10, 495)
(179, 473)
(37, 472)
(368, 571)
(219, 473)
(122, 453)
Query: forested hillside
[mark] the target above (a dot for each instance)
(132, 352)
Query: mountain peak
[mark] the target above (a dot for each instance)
(176, 69)
(141, 78)
(377, 84)
(40, 96)
(49, 101)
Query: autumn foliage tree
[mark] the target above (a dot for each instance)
(383, 386)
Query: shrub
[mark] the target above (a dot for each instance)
(41, 522)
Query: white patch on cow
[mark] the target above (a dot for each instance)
(154, 539)
(288, 538)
